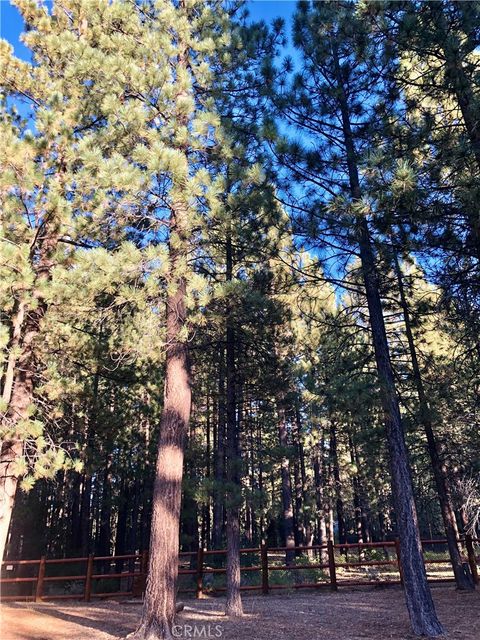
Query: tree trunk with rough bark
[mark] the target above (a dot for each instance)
(418, 597)
(417, 591)
(233, 606)
(159, 607)
(462, 578)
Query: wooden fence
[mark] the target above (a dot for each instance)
(330, 563)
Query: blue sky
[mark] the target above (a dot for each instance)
(270, 9)
(11, 26)
(11, 23)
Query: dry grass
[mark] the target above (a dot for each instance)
(353, 614)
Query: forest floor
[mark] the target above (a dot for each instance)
(354, 614)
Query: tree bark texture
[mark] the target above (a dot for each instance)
(233, 606)
(440, 474)
(418, 597)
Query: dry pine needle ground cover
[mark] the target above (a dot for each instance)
(375, 614)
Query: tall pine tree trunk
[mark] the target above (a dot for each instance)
(233, 606)
(73, 548)
(260, 480)
(87, 455)
(440, 474)
(364, 502)
(10, 452)
(418, 597)
(121, 528)
(299, 526)
(160, 595)
(417, 592)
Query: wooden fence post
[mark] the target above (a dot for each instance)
(399, 559)
(264, 563)
(40, 579)
(472, 561)
(87, 594)
(199, 591)
(331, 566)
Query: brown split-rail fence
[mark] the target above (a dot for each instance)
(203, 572)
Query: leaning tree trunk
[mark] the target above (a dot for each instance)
(233, 606)
(418, 597)
(417, 592)
(462, 578)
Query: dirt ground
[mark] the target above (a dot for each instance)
(354, 614)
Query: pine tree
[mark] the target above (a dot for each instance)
(327, 99)
(185, 132)
(438, 75)
(55, 182)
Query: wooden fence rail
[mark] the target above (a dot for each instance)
(264, 567)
